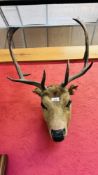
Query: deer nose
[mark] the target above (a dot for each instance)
(58, 135)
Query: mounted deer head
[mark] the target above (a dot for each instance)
(55, 99)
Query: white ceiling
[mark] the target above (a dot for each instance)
(43, 15)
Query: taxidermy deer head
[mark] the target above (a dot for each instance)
(55, 99)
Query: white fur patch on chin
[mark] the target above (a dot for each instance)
(55, 99)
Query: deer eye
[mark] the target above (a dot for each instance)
(43, 106)
(68, 104)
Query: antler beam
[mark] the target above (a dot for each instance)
(22, 79)
(86, 66)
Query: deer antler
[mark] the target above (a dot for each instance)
(22, 79)
(67, 78)
(86, 66)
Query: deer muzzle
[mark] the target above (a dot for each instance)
(58, 135)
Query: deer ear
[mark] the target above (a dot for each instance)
(71, 89)
(38, 91)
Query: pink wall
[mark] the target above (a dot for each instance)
(23, 133)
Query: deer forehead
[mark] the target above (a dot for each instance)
(54, 91)
(56, 94)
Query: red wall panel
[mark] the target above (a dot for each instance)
(24, 135)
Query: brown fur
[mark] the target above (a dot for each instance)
(57, 115)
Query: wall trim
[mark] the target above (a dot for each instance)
(49, 53)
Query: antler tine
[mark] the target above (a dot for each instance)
(86, 66)
(66, 75)
(22, 79)
(43, 80)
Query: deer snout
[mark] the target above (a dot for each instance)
(58, 135)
